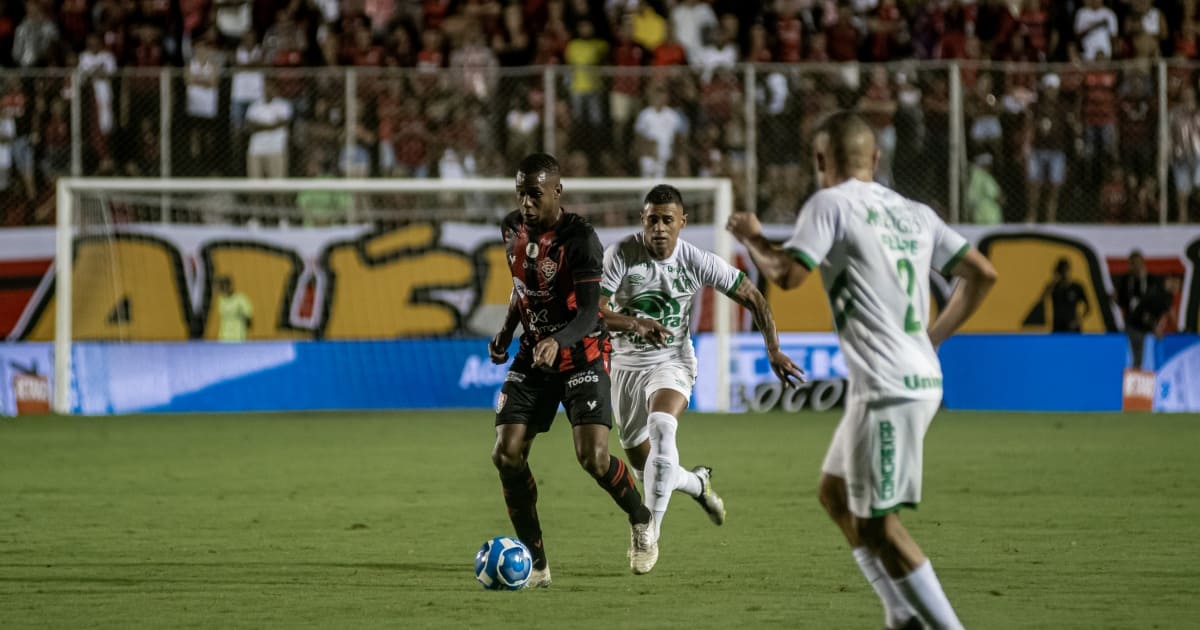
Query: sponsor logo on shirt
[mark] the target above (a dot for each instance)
(583, 377)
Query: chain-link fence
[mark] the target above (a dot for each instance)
(980, 142)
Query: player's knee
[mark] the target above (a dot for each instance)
(872, 532)
(506, 459)
(593, 459)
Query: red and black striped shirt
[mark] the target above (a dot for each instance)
(546, 266)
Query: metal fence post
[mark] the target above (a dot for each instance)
(165, 114)
(548, 107)
(751, 198)
(957, 143)
(76, 124)
(1164, 142)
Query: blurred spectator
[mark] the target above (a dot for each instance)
(789, 32)
(234, 310)
(54, 141)
(268, 120)
(476, 65)
(658, 130)
(511, 42)
(984, 197)
(234, 19)
(690, 20)
(1096, 28)
(844, 35)
(718, 51)
(1066, 297)
(523, 125)
(649, 28)
(983, 117)
(247, 84)
(1132, 290)
(1099, 117)
(322, 207)
(887, 31)
(203, 78)
(35, 37)
(1137, 121)
(878, 106)
(626, 84)
(413, 141)
(1115, 197)
(1146, 29)
(1185, 150)
(670, 52)
(1034, 23)
(583, 54)
(1052, 132)
(16, 112)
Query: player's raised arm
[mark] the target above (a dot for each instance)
(751, 298)
(774, 262)
(976, 276)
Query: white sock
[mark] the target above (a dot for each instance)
(661, 465)
(924, 592)
(896, 611)
(687, 482)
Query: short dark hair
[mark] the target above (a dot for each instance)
(1137, 253)
(539, 163)
(664, 194)
(1062, 266)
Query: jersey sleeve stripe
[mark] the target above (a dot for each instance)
(803, 258)
(736, 283)
(949, 266)
(606, 292)
(596, 279)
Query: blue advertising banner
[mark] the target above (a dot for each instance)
(982, 372)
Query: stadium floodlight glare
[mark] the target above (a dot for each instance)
(716, 193)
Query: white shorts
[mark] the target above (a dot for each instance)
(631, 390)
(877, 449)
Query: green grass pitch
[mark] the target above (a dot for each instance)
(345, 520)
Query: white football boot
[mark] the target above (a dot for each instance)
(643, 547)
(538, 578)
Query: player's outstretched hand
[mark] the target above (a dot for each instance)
(743, 225)
(498, 347)
(652, 332)
(545, 352)
(785, 369)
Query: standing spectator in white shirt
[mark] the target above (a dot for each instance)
(268, 120)
(247, 79)
(96, 67)
(689, 20)
(203, 75)
(658, 130)
(34, 38)
(1096, 27)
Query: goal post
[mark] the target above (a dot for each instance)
(157, 198)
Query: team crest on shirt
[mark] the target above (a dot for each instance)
(548, 268)
(500, 400)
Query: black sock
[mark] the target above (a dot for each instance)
(620, 486)
(520, 495)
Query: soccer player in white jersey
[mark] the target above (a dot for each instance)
(646, 292)
(875, 250)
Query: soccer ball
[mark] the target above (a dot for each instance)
(503, 563)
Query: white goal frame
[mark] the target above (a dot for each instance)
(721, 190)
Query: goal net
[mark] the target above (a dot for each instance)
(394, 278)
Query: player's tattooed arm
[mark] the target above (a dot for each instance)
(648, 329)
(498, 346)
(752, 299)
(775, 263)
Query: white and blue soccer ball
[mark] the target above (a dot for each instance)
(503, 564)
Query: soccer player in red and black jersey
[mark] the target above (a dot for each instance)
(556, 261)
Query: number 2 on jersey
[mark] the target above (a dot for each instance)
(908, 276)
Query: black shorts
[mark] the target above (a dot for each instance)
(530, 396)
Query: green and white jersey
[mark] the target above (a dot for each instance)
(638, 285)
(875, 249)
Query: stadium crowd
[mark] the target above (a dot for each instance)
(445, 88)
